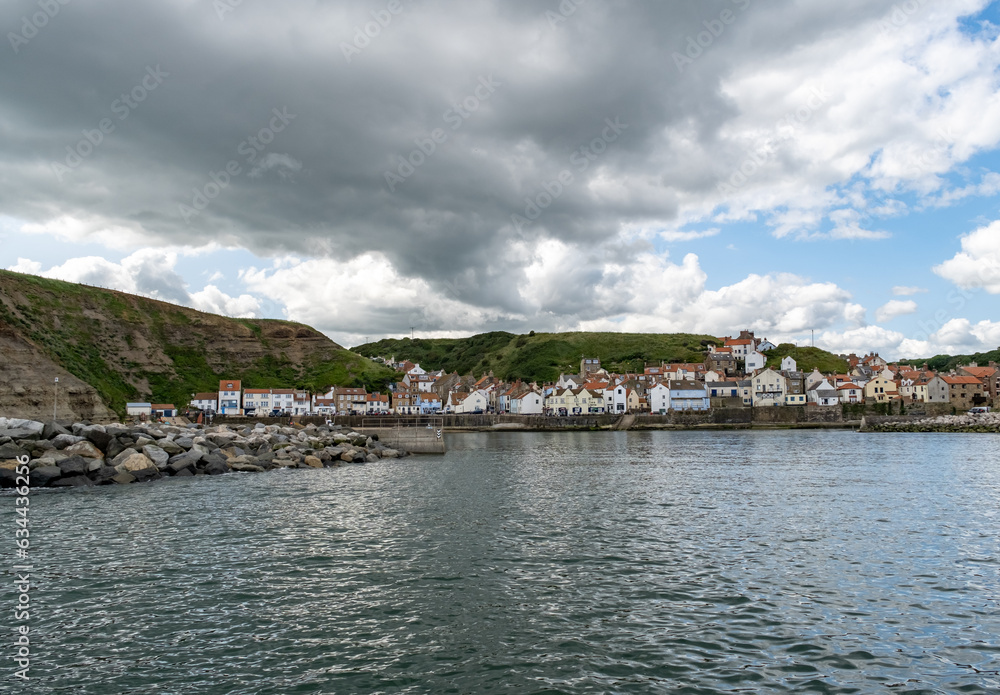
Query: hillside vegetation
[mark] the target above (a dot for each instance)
(541, 356)
(807, 359)
(945, 363)
(133, 348)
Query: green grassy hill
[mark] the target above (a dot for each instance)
(132, 348)
(945, 363)
(541, 356)
(807, 359)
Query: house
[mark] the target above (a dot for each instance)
(990, 376)
(768, 388)
(139, 409)
(765, 345)
(283, 401)
(824, 393)
(230, 398)
(464, 403)
(795, 388)
(256, 401)
(352, 401)
(376, 404)
(574, 402)
(721, 362)
(723, 389)
(788, 364)
(851, 393)
(206, 402)
(880, 390)
(659, 398)
(324, 406)
(814, 378)
(163, 410)
(301, 403)
(616, 399)
(741, 347)
(964, 392)
(753, 361)
(688, 395)
(746, 391)
(527, 403)
(589, 365)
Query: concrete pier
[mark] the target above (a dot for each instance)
(418, 435)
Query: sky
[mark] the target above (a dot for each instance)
(811, 171)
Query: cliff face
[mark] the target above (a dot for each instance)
(122, 347)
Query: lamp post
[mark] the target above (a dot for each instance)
(55, 398)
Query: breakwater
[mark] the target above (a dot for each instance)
(87, 454)
(983, 423)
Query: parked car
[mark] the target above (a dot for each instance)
(979, 410)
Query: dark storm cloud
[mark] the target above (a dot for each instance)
(125, 112)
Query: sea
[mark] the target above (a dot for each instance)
(748, 561)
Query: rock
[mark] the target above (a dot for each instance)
(144, 474)
(104, 474)
(74, 465)
(143, 441)
(347, 456)
(184, 442)
(371, 458)
(74, 481)
(158, 456)
(313, 462)
(124, 478)
(11, 451)
(181, 464)
(171, 447)
(134, 463)
(14, 423)
(390, 453)
(116, 430)
(85, 449)
(185, 473)
(245, 467)
(53, 429)
(61, 441)
(98, 437)
(46, 475)
(8, 478)
(216, 467)
(10, 464)
(120, 458)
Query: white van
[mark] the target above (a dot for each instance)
(978, 410)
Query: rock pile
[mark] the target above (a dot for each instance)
(982, 422)
(86, 454)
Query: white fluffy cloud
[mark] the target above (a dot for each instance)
(894, 308)
(904, 291)
(148, 272)
(978, 263)
(956, 336)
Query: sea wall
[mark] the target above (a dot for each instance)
(85, 454)
(983, 423)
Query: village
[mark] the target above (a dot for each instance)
(732, 375)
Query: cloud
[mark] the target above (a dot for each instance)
(904, 291)
(148, 272)
(977, 265)
(956, 336)
(894, 308)
(673, 235)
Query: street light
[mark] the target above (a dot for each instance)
(55, 399)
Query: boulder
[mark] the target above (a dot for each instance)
(347, 456)
(216, 467)
(313, 462)
(74, 465)
(104, 474)
(46, 475)
(245, 467)
(158, 456)
(371, 458)
(142, 441)
(144, 474)
(8, 478)
(184, 442)
(171, 447)
(135, 463)
(124, 478)
(74, 481)
(61, 441)
(15, 423)
(185, 473)
(53, 429)
(98, 437)
(11, 451)
(120, 458)
(116, 430)
(181, 463)
(85, 449)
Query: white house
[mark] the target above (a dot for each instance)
(689, 395)
(230, 398)
(823, 393)
(205, 402)
(377, 404)
(851, 393)
(788, 364)
(139, 409)
(754, 361)
(530, 403)
(616, 399)
(766, 345)
(460, 403)
(659, 399)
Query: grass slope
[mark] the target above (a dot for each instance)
(133, 348)
(541, 356)
(945, 363)
(807, 359)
